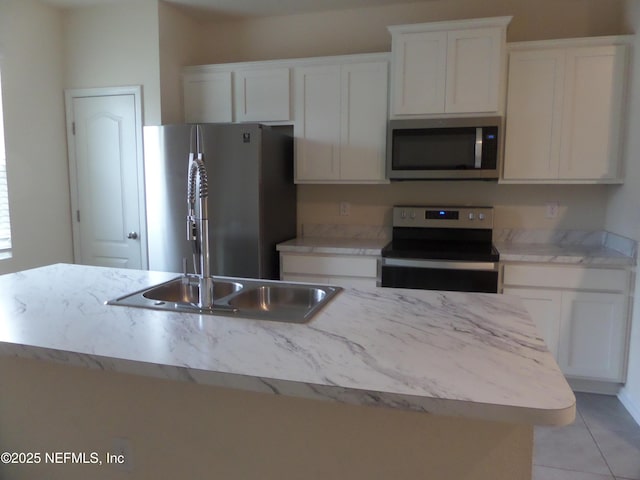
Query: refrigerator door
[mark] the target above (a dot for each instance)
(232, 157)
(166, 162)
(252, 198)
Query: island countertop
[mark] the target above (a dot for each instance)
(446, 353)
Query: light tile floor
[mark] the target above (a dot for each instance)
(602, 444)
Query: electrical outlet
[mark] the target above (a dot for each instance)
(552, 210)
(121, 455)
(345, 209)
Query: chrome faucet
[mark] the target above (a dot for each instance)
(198, 226)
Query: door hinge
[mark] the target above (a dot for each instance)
(77, 215)
(73, 128)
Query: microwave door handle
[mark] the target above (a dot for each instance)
(478, 163)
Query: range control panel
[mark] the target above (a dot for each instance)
(443, 217)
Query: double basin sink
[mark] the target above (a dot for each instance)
(239, 297)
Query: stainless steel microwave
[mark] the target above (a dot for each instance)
(451, 148)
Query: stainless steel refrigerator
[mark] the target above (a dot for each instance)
(251, 204)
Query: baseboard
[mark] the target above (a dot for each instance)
(594, 386)
(629, 403)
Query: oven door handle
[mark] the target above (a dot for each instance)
(441, 264)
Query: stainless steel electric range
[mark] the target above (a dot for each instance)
(441, 248)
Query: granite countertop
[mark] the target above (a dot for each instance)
(446, 353)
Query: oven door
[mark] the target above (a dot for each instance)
(439, 275)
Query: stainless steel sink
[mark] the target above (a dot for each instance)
(297, 302)
(272, 297)
(239, 297)
(185, 290)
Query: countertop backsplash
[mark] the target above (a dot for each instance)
(556, 237)
(621, 244)
(365, 232)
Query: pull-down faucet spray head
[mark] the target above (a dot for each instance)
(198, 225)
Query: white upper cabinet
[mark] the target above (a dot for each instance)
(419, 70)
(448, 67)
(317, 129)
(363, 122)
(337, 105)
(207, 96)
(475, 65)
(564, 111)
(262, 95)
(340, 120)
(240, 92)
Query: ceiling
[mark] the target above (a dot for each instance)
(246, 7)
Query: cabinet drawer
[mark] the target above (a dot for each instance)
(567, 277)
(330, 265)
(345, 282)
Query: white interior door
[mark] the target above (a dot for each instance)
(106, 178)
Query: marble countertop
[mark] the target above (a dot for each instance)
(595, 255)
(589, 253)
(336, 246)
(446, 353)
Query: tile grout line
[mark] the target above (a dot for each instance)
(596, 443)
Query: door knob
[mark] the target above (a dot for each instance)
(132, 235)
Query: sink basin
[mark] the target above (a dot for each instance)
(291, 303)
(273, 297)
(239, 297)
(181, 291)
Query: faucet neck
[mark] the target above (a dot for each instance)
(198, 225)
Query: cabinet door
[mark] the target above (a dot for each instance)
(291, 277)
(534, 114)
(262, 95)
(544, 306)
(474, 68)
(592, 112)
(363, 121)
(317, 125)
(419, 72)
(592, 335)
(208, 97)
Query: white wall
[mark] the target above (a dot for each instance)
(365, 29)
(179, 46)
(114, 45)
(516, 206)
(32, 76)
(623, 212)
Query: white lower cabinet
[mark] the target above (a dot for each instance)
(593, 328)
(544, 307)
(586, 330)
(341, 270)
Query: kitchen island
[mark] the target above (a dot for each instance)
(382, 383)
